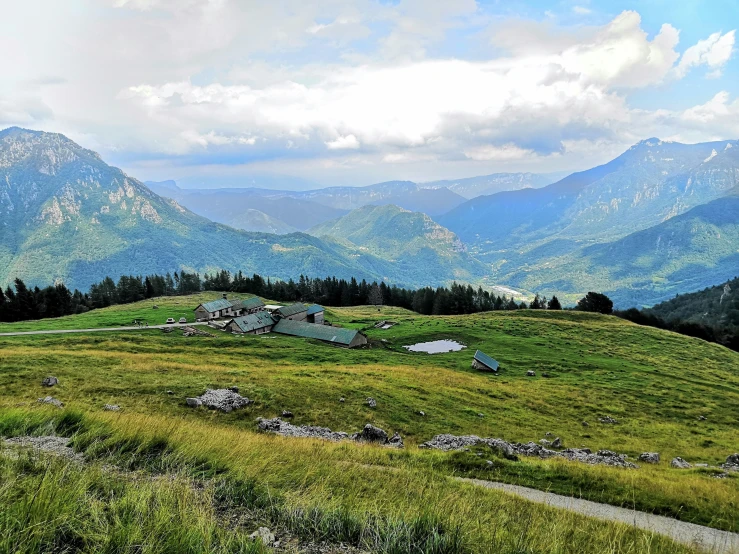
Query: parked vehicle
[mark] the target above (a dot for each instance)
(170, 320)
(183, 320)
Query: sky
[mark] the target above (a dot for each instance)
(299, 94)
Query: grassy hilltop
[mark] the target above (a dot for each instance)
(654, 383)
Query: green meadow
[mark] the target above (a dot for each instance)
(654, 383)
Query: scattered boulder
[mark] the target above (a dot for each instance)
(51, 400)
(370, 433)
(222, 399)
(511, 451)
(112, 408)
(732, 463)
(530, 373)
(264, 535)
(170, 392)
(422, 413)
(649, 457)
(49, 381)
(287, 414)
(702, 418)
(548, 434)
(557, 443)
(545, 375)
(608, 420)
(480, 414)
(545, 443)
(193, 332)
(679, 463)
(51, 444)
(233, 388)
(371, 402)
(396, 440)
(342, 399)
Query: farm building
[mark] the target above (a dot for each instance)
(213, 310)
(483, 362)
(248, 305)
(347, 338)
(228, 308)
(315, 314)
(293, 312)
(256, 324)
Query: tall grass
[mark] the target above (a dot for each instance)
(212, 477)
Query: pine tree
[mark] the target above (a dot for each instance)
(554, 304)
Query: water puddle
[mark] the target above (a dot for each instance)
(436, 347)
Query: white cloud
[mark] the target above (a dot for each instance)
(714, 52)
(343, 143)
(345, 83)
(582, 10)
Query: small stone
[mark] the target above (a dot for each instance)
(480, 414)
(545, 374)
(342, 399)
(548, 434)
(489, 463)
(170, 392)
(51, 400)
(530, 373)
(585, 424)
(112, 408)
(264, 535)
(49, 381)
(679, 463)
(702, 418)
(193, 402)
(608, 420)
(422, 413)
(732, 460)
(701, 465)
(287, 414)
(545, 443)
(557, 443)
(649, 457)
(371, 402)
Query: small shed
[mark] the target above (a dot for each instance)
(293, 312)
(347, 338)
(483, 362)
(257, 323)
(315, 314)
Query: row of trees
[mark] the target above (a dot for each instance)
(22, 303)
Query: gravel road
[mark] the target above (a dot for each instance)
(705, 538)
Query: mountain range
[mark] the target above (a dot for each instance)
(68, 216)
(659, 220)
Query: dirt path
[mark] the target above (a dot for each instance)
(705, 538)
(98, 329)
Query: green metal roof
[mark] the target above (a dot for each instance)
(326, 333)
(248, 303)
(254, 321)
(292, 309)
(487, 360)
(314, 309)
(216, 305)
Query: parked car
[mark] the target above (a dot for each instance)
(183, 320)
(170, 320)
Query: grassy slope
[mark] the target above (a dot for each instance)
(655, 383)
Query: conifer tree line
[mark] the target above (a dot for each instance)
(20, 303)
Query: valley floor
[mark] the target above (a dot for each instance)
(655, 384)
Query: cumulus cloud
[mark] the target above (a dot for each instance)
(714, 52)
(347, 83)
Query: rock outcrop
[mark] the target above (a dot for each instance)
(224, 400)
(512, 450)
(370, 433)
(649, 457)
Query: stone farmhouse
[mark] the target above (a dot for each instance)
(252, 316)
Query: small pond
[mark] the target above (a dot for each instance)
(436, 347)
